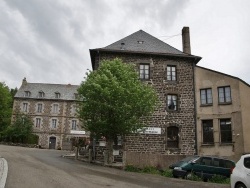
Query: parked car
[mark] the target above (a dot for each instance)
(240, 177)
(203, 166)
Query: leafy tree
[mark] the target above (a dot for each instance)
(5, 106)
(115, 102)
(20, 130)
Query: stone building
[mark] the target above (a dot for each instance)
(171, 133)
(52, 107)
(222, 114)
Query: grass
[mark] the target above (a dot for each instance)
(168, 173)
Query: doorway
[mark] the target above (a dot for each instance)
(52, 142)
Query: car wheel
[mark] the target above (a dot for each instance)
(188, 176)
(240, 185)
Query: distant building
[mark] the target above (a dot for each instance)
(52, 108)
(171, 131)
(223, 118)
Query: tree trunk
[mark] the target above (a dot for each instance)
(109, 153)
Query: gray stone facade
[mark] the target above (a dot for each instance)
(183, 118)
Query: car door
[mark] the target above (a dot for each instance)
(246, 164)
(203, 168)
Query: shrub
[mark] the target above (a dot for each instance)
(131, 168)
(167, 173)
(150, 170)
(219, 179)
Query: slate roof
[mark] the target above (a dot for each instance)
(144, 43)
(67, 92)
(141, 41)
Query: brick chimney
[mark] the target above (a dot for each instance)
(186, 40)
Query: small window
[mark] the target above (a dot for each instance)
(55, 108)
(171, 73)
(27, 94)
(208, 131)
(57, 95)
(41, 94)
(247, 162)
(76, 95)
(25, 107)
(38, 122)
(226, 131)
(173, 137)
(73, 125)
(39, 107)
(144, 72)
(171, 102)
(206, 96)
(224, 94)
(54, 123)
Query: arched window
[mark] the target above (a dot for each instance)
(173, 137)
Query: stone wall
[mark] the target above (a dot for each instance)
(64, 117)
(183, 118)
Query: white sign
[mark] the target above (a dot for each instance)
(77, 132)
(115, 152)
(149, 130)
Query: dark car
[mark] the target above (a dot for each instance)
(203, 166)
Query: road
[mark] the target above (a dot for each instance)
(42, 168)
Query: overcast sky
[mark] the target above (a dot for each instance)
(48, 41)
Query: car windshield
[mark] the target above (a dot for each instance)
(191, 158)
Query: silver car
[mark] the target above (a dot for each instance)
(240, 177)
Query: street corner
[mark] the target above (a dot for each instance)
(3, 172)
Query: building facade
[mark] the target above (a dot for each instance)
(172, 128)
(222, 114)
(52, 108)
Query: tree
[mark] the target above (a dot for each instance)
(20, 131)
(5, 106)
(115, 102)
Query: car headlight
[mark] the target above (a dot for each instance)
(177, 168)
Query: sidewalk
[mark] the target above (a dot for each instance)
(3, 172)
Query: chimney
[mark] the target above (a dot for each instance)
(24, 82)
(186, 40)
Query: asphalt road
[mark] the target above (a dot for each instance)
(41, 168)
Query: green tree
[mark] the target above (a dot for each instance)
(5, 106)
(20, 131)
(115, 102)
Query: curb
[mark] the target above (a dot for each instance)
(3, 172)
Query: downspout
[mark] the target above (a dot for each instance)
(195, 111)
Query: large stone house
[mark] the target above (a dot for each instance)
(222, 114)
(52, 107)
(171, 133)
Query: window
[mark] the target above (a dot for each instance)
(73, 125)
(57, 95)
(172, 102)
(27, 94)
(207, 130)
(39, 107)
(226, 131)
(76, 95)
(41, 94)
(144, 71)
(206, 161)
(54, 121)
(55, 108)
(172, 137)
(171, 73)
(247, 162)
(206, 96)
(38, 122)
(224, 94)
(25, 107)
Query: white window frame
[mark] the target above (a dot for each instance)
(73, 125)
(55, 108)
(54, 123)
(38, 122)
(25, 107)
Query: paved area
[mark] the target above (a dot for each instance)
(3, 172)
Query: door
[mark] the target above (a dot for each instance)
(52, 142)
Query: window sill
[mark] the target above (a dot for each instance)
(224, 103)
(226, 144)
(206, 105)
(211, 144)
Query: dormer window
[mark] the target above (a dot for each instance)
(41, 94)
(76, 95)
(57, 95)
(140, 42)
(27, 94)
